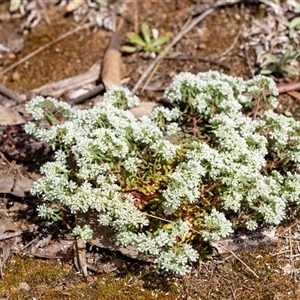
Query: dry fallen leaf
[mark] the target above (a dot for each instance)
(6, 224)
(9, 116)
(19, 145)
(58, 249)
(144, 109)
(104, 237)
(10, 184)
(97, 263)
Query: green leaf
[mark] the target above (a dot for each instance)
(161, 40)
(291, 33)
(129, 49)
(295, 23)
(102, 2)
(290, 70)
(146, 33)
(270, 58)
(266, 72)
(136, 39)
(288, 55)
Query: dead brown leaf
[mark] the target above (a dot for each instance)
(104, 237)
(6, 224)
(9, 116)
(144, 109)
(57, 250)
(19, 145)
(11, 184)
(97, 264)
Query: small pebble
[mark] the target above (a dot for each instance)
(24, 286)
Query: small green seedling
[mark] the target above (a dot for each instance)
(276, 65)
(149, 44)
(102, 2)
(293, 25)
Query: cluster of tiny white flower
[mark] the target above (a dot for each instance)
(84, 233)
(236, 162)
(216, 226)
(183, 185)
(163, 246)
(165, 113)
(40, 107)
(121, 98)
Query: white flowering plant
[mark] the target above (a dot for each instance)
(216, 159)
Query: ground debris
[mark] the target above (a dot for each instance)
(19, 145)
(246, 242)
(9, 116)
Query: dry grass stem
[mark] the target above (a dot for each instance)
(78, 28)
(227, 248)
(182, 33)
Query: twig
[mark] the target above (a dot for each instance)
(150, 77)
(248, 61)
(272, 164)
(295, 95)
(56, 89)
(233, 43)
(288, 87)
(256, 108)
(10, 94)
(291, 253)
(181, 34)
(8, 235)
(233, 293)
(281, 252)
(97, 90)
(201, 7)
(78, 28)
(295, 255)
(136, 17)
(293, 225)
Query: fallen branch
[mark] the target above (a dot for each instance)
(9, 235)
(58, 88)
(94, 92)
(201, 7)
(284, 88)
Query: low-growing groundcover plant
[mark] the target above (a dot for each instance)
(216, 159)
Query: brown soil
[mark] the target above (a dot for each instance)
(223, 278)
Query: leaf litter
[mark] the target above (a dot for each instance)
(23, 233)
